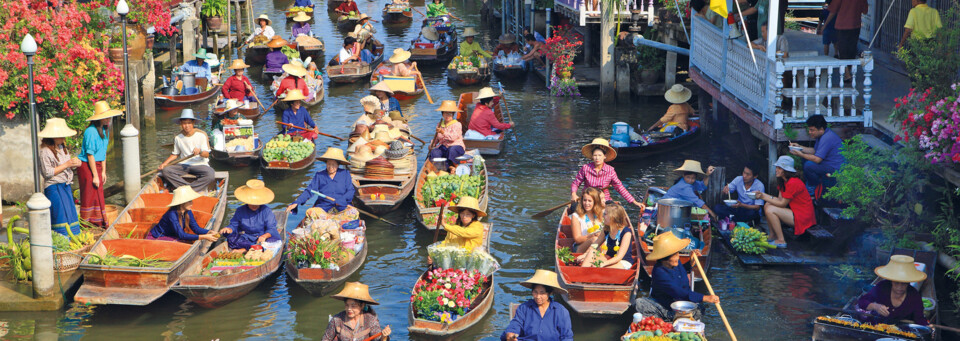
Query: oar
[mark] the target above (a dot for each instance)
(305, 129)
(549, 210)
(696, 260)
(371, 215)
(453, 16)
(418, 139)
(800, 303)
(117, 187)
(503, 98)
(257, 98)
(436, 231)
(425, 91)
(271, 105)
(418, 11)
(374, 337)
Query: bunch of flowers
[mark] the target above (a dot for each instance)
(446, 294)
(469, 63)
(932, 125)
(561, 49)
(563, 87)
(317, 251)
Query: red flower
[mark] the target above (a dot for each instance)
(326, 254)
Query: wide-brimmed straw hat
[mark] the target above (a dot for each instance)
(900, 269)
(238, 64)
(294, 95)
(370, 103)
(381, 86)
(276, 42)
(357, 291)
(690, 166)
(295, 69)
(508, 38)
(254, 193)
(334, 154)
(264, 17)
(101, 110)
(666, 244)
(545, 278)
(397, 150)
(301, 17)
(430, 33)
(486, 92)
(231, 104)
(363, 16)
(55, 128)
(468, 203)
(448, 106)
(399, 56)
(786, 162)
(470, 32)
(185, 114)
(183, 194)
(201, 53)
(587, 150)
(678, 94)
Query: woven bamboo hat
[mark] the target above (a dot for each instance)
(545, 278)
(468, 203)
(363, 16)
(508, 38)
(587, 150)
(254, 193)
(690, 166)
(357, 291)
(276, 42)
(448, 106)
(264, 17)
(238, 64)
(900, 269)
(295, 69)
(430, 33)
(301, 17)
(370, 103)
(294, 95)
(101, 110)
(381, 86)
(678, 94)
(334, 154)
(470, 32)
(56, 127)
(399, 56)
(666, 244)
(486, 92)
(183, 194)
(397, 150)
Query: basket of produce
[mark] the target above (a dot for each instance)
(845, 327)
(284, 148)
(68, 251)
(233, 262)
(442, 188)
(656, 329)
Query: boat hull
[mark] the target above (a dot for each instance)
(166, 102)
(322, 282)
(394, 190)
(509, 72)
(236, 159)
(433, 330)
(637, 153)
(485, 147)
(353, 72)
(397, 17)
(400, 95)
(282, 170)
(470, 78)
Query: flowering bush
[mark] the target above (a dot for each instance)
(932, 125)
(561, 49)
(446, 294)
(317, 251)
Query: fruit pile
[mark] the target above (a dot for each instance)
(443, 189)
(653, 324)
(237, 131)
(301, 9)
(750, 241)
(246, 143)
(282, 148)
(643, 335)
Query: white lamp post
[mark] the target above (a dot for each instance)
(129, 134)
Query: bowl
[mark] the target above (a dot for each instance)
(933, 304)
(752, 195)
(683, 308)
(730, 202)
(796, 148)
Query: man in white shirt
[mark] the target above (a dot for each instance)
(352, 51)
(189, 142)
(264, 29)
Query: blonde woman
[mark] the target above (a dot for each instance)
(588, 214)
(616, 249)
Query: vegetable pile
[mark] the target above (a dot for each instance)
(467, 63)
(449, 217)
(565, 256)
(446, 294)
(109, 259)
(880, 327)
(642, 335)
(282, 148)
(442, 189)
(237, 131)
(301, 9)
(750, 241)
(247, 144)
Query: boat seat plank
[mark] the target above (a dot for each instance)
(599, 308)
(125, 296)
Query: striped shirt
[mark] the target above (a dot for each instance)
(606, 178)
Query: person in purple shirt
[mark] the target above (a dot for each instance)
(252, 223)
(824, 158)
(179, 224)
(540, 318)
(894, 299)
(670, 281)
(275, 58)
(301, 26)
(334, 183)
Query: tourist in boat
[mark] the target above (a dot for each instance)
(92, 174)
(56, 167)
(179, 223)
(275, 58)
(599, 174)
(334, 182)
(540, 318)
(254, 222)
(263, 29)
(399, 67)
(688, 187)
(792, 207)
(230, 112)
(364, 29)
(387, 102)
(357, 321)
(347, 8)
(507, 44)
(238, 86)
(190, 142)
(670, 280)
(199, 66)
(617, 246)
(297, 115)
(678, 112)
(746, 209)
(294, 80)
(352, 51)
(301, 25)
(470, 47)
(535, 50)
(588, 215)
(484, 124)
(449, 136)
(824, 158)
(303, 3)
(468, 234)
(436, 8)
(893, 298)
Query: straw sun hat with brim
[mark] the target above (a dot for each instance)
(238, 64)
(399, 56)
(357, 291)
(183, 194)
(690, 166)
(231, 104)
(381, 86)
(301, 17)
(900, 269)
(468, 203)
(294, 69)
(334, 154)
(101, 110)
(587, 150)
(276, 42)
(486, 92)
(56, 128)
(508, 38)
(666, 244)
(470, 32)
(294, 95)
(264, 17)
(254, 193)
(363, 16)
(448, 106)
(430, 33)
(678, 94)
(545, 278)
(397, 150)
(786, 163)
(370, 103)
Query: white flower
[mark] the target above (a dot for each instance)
(445, 301)
(451, 304)
(447, 285)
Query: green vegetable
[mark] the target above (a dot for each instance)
(60, 242)
(750, 241)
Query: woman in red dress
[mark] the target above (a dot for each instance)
(792, 207)
(238, 86)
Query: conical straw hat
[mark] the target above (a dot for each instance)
(666, 244)
(101, 110)
(334, 154)
(545, 278)
(357, 291)
(486, 92)
(678, 94)
(381, 86)
(900, 269)
(182, 195)
(295, 69)
(56, 127)
(301, 17)
(238, 64)
(468, 203)
(587, 150)
(294, 95)
(399, 56)
(690, 166)
(469, 32)
(430, 33)
(448, 106)
(254, 193)
(277, 41)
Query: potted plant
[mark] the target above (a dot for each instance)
(651, 63)
(212, 12)
(116, 47)
(115, 51)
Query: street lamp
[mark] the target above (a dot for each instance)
(129, 134)
(29, 47)
(122, 10)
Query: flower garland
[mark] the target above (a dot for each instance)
(932, 125)
(446, 294)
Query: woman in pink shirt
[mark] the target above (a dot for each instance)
(483, 120)
(449, 139)
(599, 174)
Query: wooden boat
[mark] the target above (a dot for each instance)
(427, 215)
(124, 285)
(468, 77)
(283, 169)
(214, 291)
(508, 71)
(174, 102)
(347, 24)
(662, 144)
(353, 72)
(315, 52)
(593, 292)
(250, 112)
(333, 4)
(237, 159)
(823, 330)
(485, 147)
(426, 53)
(318, 96)
(653, 194)
(321, 282)
(256, 54)
(404, 88)
(394, 15)
(435, 330)
(394, 190)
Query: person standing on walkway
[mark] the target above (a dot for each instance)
(824, 158)
(56, 167)
(599, 174)
(847, 15)
(922, 22)
(92, 171)
(190, 142)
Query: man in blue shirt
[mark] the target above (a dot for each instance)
(199, 66)
(687, 187)
(824, 158)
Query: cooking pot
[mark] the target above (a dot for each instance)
(189, 80)
(683, 309)
(169, 91)
(673, 212)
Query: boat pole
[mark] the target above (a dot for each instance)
(696, 260)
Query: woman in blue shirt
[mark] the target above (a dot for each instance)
(687, 187)
(179, 224)
(334, 183)
(387, 102)
(540, 318)
(93, 154)
(670, 280)
(252, 223)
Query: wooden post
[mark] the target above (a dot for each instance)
(607, 64)
(229, 41)
(189, 38)
(147, 87)
(249, 4)
(771, 159)
(670, 71)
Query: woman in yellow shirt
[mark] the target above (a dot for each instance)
(469, 234)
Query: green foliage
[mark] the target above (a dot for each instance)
(540, 4)
(564, 255)
(933, 62)
(946, 229)
(650, 58)
(789, 132)
(671, 5)
(213, 8)
(789, 24)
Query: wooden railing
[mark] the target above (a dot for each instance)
(591, 8)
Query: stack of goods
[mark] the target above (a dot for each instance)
(296, 9)
(442, 188)
(237, 261)
(888, 329)
(750, 241)
(283, 148)
(308, 41)
(240, 144)
(238, 138)
(455, 257)
(379, 168)
(291, 53)
(447, 294)
(467, 65)
(395, 7)
(364, 153)
(323, 244)
(109, 259)
(511, 59)
(655, 329)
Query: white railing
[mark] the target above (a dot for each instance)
(591, 8)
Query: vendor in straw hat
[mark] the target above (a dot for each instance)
(484, 124)
(364, 29)
(353, 51)
(357, 321)
(678, 112)
(238, 86)
(469, 47)
(399, 65)
(449, 136)
(190, 142)
(468, 233)
(294, 79)
(56, 167)
(275, 58)
(599, 174)
(436, 8)
(670, 281)
(252, 223)
(507, 44)
(792, 207)
(297, 115)
(199, 66)
(179, 224)
(387, 102)
(230, 112)
(617, 246)
(540, 318)
(348, 7)
(333, 182)
(893, 298)
(301, 25)
(263, 29)
(92, 174)
(688, 187)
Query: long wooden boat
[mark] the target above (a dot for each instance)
(508, 71)
(321, 282)
(485, 147)
(824, 331)
(399, 85)
(315, 52)
(214, 291)
(256, 54)
(283, 169)
(353, 72)
(250, 112)
(662, 144)
(436, 53)
(653, 194)
(174, 102)
(237, 159)
(435, 330)
(347, 24)
(384, 195)
(124, 285)
(395, 15)
(427, 216)
(595, 292)
(467, 78)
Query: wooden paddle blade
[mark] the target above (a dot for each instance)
(550, 210)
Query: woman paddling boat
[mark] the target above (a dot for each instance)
(357, 321)
(670, 280)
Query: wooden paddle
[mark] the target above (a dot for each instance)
(257, 98)
(800, 303)
(454, 16)
(374, 337)
(696, 260)
(436, 231)
(271, 105)
(302, 128)
(418, 11)
(504, 99)
(418, 139)
(117, 187)
(371, 215)
(550, 210)
(425, 91)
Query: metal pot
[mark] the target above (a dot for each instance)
(673, 212)
(169, 91)
(683, 309)
(189, 80)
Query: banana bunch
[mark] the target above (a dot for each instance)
(20, 263)
(81, 240)
(750, 241)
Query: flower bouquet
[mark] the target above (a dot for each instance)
(446, 294)
(318, 251)
(453, 257)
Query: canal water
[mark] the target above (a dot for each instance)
(532, 174)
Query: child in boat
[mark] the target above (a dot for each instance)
(469, 234)
(179, 224)
(616, 250)
(587, 219)
(252, 223)
(687, 187)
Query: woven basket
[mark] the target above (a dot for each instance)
(69, 260)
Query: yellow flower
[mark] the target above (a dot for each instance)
(616, 248)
